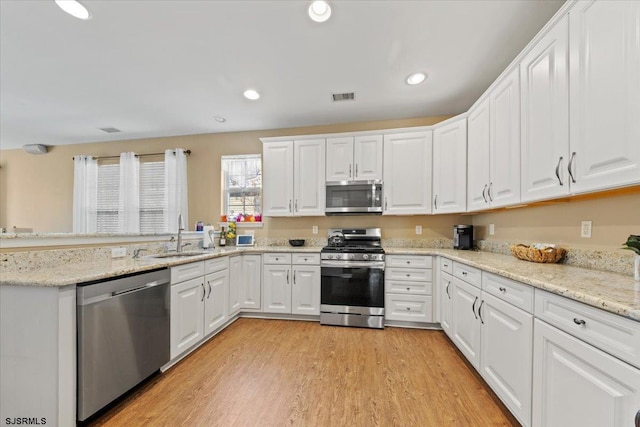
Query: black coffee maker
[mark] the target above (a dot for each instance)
(463, 237)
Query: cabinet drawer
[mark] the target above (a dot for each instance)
(414, 261)
(407, 287)
(508, 290)
(183, 272)
(216, 264)
(310, 259)
(446, 265)
(410, 274)
(276, 258)
(613, 334)
(469, 274)
(408, 308)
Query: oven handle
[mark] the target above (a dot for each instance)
(353, 264)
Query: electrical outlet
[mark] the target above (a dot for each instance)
(492, 229)
(315, 229)
(418, 229)
(118, 252)
(585, 230)
(170, 246)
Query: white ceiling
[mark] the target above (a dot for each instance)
(164, 68)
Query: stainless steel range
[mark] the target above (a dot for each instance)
(352, 278)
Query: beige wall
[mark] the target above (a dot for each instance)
(614, 218)
(37, 190)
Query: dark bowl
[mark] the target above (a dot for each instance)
(296, 242)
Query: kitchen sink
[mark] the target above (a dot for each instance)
(179, 254)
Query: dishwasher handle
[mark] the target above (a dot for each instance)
(132, 290)
(93, 292)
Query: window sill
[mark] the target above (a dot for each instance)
(243, 224)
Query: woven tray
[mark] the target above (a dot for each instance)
(528, 253)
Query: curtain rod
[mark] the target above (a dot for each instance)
(187, 152)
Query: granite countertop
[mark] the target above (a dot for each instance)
(612, 292)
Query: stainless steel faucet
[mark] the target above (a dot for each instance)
(180, 230)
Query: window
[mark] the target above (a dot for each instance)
(152, 197)
(242, 187)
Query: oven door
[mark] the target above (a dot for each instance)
(352, 287)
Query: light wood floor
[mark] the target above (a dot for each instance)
(276, 373)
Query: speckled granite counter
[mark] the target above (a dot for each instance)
(612, 292)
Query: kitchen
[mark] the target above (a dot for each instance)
(558, 222)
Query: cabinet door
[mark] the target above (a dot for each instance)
(277, 171)
(187, 315)
(367, 158)
(277, 289)
(465, 324)
(504, 144)
(604, 94)
(217, 300)
(478, 157)
(407, 173)
(450, 168)
(506, 356)
(446, 289)
(305, 291)
(575, 384)
(309, 183)
(235, 284)
(251, 286)
(339, 159)
(544, 77)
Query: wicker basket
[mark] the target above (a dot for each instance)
(528, 253)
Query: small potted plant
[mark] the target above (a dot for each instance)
(633, 243)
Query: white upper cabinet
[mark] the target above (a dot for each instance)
(450, 167)
(407, 173)
(544, 76)
(309, 182)
(604, 42)
(354, 158)
(504, 142)
(478, 157)
(294, 178)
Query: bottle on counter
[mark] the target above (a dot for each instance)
(223, 238)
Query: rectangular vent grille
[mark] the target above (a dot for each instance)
(110, 130)
(349, 96)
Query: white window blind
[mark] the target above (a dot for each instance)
(242, 185)
(152, 197)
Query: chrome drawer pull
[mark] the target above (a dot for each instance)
(408, 289)
(473, 308)
(502, 289)
(408, 308)
(408, 275)
(464, 273)
(579, 322)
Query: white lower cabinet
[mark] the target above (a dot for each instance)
(465, 324)
(291, 283)
(187, 315)
(251, 282)
(216, 302)
(408, 288)
(576, 384)
(235, 284)
(446, 302)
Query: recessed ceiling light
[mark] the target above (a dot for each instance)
(74, 8)
(319, 10)
(251, 94)
(219, 119)
(416, 78)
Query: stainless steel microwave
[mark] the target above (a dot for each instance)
(354, 198)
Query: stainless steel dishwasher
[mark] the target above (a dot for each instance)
(123, 335)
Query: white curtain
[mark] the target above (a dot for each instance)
(175, 180)
(85, 194)
(129, 205)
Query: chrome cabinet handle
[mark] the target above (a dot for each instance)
(209, 284)
(480, 312)
(356, 170)
(385, 203)
(203, 291)
(579, 322)
(489, 192)
(435, 202)
(502, 289)
(473, 308)
(483, 193)
(349, 171)
(408, 275)
(447, 289)
(294, 277)
(570, 166)
(558, 170)
(289, 205)
(287, 277)
(464, 273)
(408, 308)
(408, 289)
(296, 205)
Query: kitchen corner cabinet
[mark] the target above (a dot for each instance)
(291, 283)
(251, 283)
(354, 158)
(450, 167)
(407, 173)
(446, 307)
(478, 139)
(294, 178)
(235, 284)
(604, 124)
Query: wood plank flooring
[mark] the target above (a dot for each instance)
(276, 372)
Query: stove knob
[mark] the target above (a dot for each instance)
(365, 256)
(329, 256)
(352, 256)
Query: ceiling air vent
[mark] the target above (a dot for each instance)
(349, 96)
(110, 130)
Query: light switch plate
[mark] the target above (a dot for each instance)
(418, 229)
(585, 229)
(315, 229)
(118, 252)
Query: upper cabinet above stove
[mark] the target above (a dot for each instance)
(354, 158)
